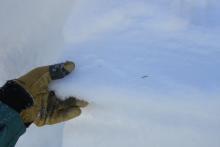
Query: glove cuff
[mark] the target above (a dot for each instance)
(15, 96)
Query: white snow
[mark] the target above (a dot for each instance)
(148, 68)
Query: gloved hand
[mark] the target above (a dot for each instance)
(48, 108)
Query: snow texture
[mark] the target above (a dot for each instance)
(148, 68)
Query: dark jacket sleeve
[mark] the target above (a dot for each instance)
(11, 126)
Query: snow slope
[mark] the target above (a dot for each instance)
(148, 68)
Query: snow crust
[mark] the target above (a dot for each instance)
(148, 68)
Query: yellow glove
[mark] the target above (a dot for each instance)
(47, 107)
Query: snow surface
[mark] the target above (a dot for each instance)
(148, 68)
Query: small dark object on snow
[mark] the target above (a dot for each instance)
(143, 77)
